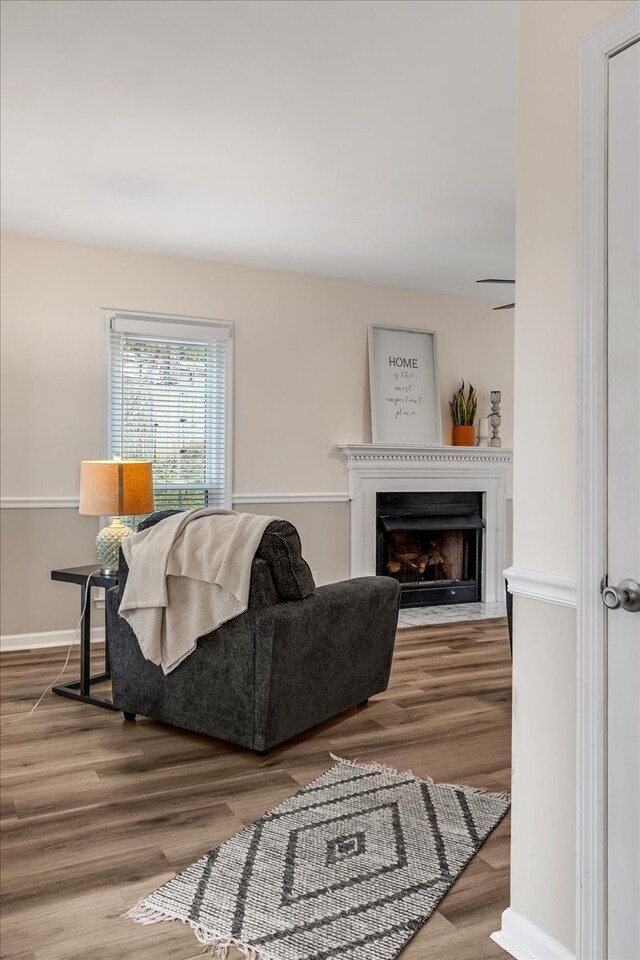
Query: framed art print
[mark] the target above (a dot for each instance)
(403, 379)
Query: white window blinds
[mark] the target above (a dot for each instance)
(169, 396)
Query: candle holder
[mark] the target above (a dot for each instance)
(483, 432)
(495, 419)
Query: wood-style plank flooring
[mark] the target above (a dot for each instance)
(97, 813)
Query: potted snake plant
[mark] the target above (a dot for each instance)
(463, 412)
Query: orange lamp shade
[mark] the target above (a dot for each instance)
(116, 488)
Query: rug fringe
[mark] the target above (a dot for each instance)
(503, 795)
(220, 943)
(380, 768)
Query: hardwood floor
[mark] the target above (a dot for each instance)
(97, 813)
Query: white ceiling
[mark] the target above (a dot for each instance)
(369, 139)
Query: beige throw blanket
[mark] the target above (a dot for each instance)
(187, 575)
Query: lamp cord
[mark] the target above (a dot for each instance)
(27, 716)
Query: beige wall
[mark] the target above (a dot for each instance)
(547, 272)
(545, 478)
(300, 386)
(324, 531)
(34, 542)
(543, 849)
(300, 358)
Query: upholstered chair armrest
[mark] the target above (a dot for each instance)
(281, 548)
(318, 656)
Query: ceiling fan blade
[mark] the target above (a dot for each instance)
(505, 306)
(492, 280)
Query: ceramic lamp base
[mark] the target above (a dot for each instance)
(108, 545)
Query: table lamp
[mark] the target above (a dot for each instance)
(114, 488)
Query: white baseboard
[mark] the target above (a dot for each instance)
(548, 587)
(52, 638)
(524, 941)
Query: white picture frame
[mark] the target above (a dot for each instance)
(404, 386)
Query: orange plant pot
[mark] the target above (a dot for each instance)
(463, 436)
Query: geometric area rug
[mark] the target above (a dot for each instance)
(348, 868)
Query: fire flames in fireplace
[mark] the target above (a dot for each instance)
(432, 544)
(428, 558)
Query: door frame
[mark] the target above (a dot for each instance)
(591, 720)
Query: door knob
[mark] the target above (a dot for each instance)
(625, 595)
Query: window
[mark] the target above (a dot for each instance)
(169, 395)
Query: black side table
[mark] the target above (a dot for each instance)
(81, 689)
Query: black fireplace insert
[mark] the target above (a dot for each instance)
(432, 544)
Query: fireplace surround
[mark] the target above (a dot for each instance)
(432, 544)
(375, 470)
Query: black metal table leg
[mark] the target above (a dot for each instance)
(81, 689)
(107, 655)
(85, 639)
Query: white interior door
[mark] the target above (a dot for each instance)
(623, 496)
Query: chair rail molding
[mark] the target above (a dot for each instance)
(525, 941)
(335, 497)
(39, 503)
(72, 503)
(548, 587)
(591, 750)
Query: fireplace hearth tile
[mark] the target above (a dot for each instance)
(450, 613)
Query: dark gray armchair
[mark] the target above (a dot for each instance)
(296, 657)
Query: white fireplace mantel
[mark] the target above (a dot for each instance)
(384, 468)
